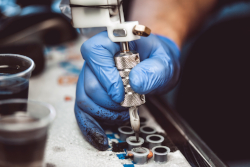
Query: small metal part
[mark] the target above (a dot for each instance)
(125, 132)
(141, 30)
(135, 121)
(160, 154)
(154, 140)
(133, 143)
(140, 155)
(124, 47)
(120, 33)
(146, 130)
(124, 62)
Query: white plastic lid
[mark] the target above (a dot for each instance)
(140, 151)
(160, 139)
(155, 151)
(133, 138)
(121, 130)
(144, 130)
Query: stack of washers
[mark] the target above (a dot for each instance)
(153, 141)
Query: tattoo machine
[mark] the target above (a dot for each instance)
(109, 13)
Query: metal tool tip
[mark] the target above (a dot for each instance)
(137, 136)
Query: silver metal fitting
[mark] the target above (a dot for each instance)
(124, 62)
(133, 143)
(140, 155)
(146, 130)
(125, 132)
(154, 140)
(160, 154)
(124, 46)
(119, 32)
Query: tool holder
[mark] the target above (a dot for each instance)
(109, 13)
(87, 14)
(124, 63)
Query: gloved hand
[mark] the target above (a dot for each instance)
(100, 87)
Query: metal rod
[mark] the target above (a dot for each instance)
(124, 47)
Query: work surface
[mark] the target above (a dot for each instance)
(66, 146)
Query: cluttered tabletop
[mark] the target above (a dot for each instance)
(75, 77)
(66, 145)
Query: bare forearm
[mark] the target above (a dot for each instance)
(176, 19)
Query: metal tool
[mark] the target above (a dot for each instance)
(109, 13)
(125, 61)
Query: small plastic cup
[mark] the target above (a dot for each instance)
(125, 132)
(160, 154)
(133, 143)
(140, 155)
(15, 72)
(23, 133)
(146, 130)
(154, 140)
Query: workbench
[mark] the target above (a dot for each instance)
(67, 147)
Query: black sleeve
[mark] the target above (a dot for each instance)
(126, 8)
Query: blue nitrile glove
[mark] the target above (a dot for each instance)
(100, 87)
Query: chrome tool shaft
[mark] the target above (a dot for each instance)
(125, 61)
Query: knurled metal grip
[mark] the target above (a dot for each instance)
(124, 63)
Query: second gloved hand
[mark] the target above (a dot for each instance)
(100, 87)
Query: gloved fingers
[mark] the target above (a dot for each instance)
(99, 53)
(96, 92)
(150, 74)
(91, 130)
(159, 67)
(94, 110)
(145, 46)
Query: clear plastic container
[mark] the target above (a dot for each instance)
(125, 132)
(154, 140)
(161, 154)
(140, 155)
(15, 72)
(147, 130)
(23, 133)
(133, 143)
